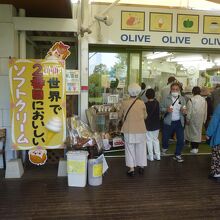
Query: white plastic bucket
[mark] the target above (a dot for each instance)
(95, 170)
(77, 168)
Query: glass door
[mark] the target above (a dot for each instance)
(134, 68)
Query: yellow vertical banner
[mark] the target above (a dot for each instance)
(38, 103)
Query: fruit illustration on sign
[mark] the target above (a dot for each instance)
(188, 23)
(132, 20)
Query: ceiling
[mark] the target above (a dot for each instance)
(43, 8)
(42, 41)
(54, 8)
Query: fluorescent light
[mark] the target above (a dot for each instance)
(191, 58)
(200, 64)
(157, 55)
(74, 1)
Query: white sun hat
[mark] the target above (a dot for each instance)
(134, 89)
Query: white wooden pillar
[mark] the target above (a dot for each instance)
(84, 60)
(22, 38)
(8, 48)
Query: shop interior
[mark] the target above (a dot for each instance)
(110, 73)
(152, 68)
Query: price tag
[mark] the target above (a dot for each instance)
(75, 166)
(97, 170)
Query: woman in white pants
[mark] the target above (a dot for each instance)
(134, 131)
(153, 125)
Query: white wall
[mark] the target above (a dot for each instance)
(8, 47)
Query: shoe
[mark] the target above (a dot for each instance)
(194, 151)
(163, 151)
(211, 177)
(141, 170)
(150, 158)
(130, 173)
(178, 158)
(157, 158)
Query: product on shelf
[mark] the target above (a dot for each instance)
(79, 135)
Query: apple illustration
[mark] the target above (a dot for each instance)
(130, 21)
(188, 23)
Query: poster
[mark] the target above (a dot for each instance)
(133, 20)
(215, 79)
(211, 24)
(161, 22)
(72, 82)
(37, 98)
(188, 23)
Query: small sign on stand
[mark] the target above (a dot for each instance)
(113, 99)
(72, 82)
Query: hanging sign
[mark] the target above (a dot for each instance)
(58, 51)
(38, 112)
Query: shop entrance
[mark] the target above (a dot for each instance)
(110, 68)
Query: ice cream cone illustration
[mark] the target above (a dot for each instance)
(160, 22)
(53, 127)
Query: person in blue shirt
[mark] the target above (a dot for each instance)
(213, 134)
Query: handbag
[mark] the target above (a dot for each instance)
(124, 118)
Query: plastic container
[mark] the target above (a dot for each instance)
(77, 168)
(95, 168)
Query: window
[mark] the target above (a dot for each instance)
(107, 74)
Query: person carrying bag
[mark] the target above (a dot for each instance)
(133, 112)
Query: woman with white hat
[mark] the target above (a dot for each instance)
(133, 112)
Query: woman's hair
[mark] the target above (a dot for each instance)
(196, 90)
(150, 94)
(171, 79)
(175, 84)
(143, 86)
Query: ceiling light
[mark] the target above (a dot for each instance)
(191, 58)
(200, 64)
(157, 55)
(74, 1)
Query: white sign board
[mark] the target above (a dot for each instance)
(72, 82)
(142, 26)
(215, 79)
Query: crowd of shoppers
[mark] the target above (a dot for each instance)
(142, 115)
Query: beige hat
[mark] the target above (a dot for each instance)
(134, 89)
